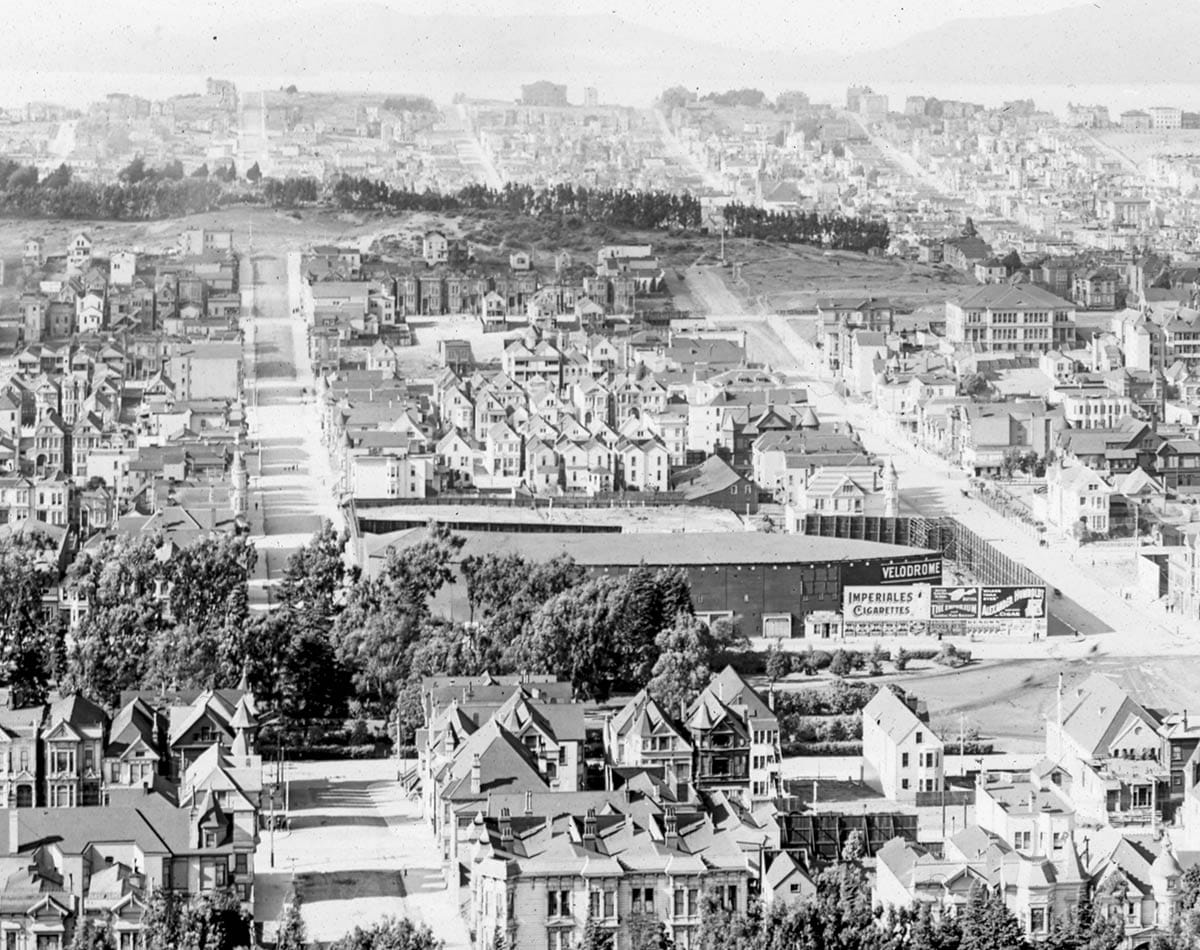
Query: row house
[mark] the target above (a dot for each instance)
(1039, 890)
(101, 865)
(643, 465)
(539, 881)
(70, 753)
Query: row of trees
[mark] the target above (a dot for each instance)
(618, 207)
(338, 641)
(833, 231)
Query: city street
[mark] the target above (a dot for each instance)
(357, 850)
(295, 484)
(930, 486)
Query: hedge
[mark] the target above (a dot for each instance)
(822, 748)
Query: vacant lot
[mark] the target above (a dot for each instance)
(1138, 147)
(776, 277)
(1008, 701)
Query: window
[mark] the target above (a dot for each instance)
(558, 903)
(643, 900)
(1176, 753)
(49, 942)
(62, 759)
(240, 863)
(920, 738)
(904, 783)
(903, 760)
(560, 939)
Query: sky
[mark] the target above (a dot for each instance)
(778, 24)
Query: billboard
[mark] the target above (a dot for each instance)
(882, 604)
(1004, 603)
(911, 570)
(953, 603)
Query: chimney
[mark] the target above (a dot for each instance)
(476, 780)
(506, 835)
(670, 827)
(528, 802)
(589, 829)
(14, 831)
(814, 798)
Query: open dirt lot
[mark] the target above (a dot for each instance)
(1138, 147)
(774, 277)
(1008, 700)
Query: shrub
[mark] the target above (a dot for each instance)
(951, 657)
(902, 658)
(841, 663)
(778, 665)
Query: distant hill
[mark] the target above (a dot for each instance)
(1113, 41)
(1108, 41)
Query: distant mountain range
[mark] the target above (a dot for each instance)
(1112, 41)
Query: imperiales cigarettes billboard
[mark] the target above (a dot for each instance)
(887, 604)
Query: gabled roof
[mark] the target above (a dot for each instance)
(1099, 708)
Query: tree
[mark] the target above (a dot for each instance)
(686, 650)
(504, 592)
(1189, 887)
(595, 937)
(385, 618)
(134, 172)
(292, 934)
(24, 177)
(172, 171)
(572, 636)
(316, 575)
(876, 660)
(968, 229)
(676, 97)
(854, 849)
(987, 924)
(31, 641)
(1009, 463)
(202, 171)
(391, 933)
(89, 936)
(254, 173)
(208, 581)
(647, 932)
(162, 920)
(59, 178)
(215, 920)
(840, 664)
(778, 665)
(976, 386)
(123, 617)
